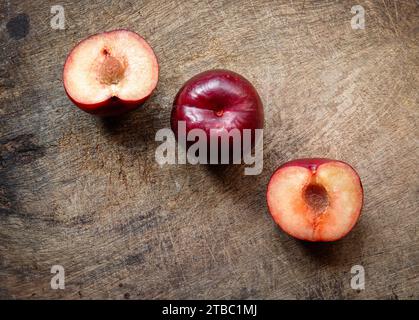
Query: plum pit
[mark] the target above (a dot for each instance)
(316, 198)
(111, 70)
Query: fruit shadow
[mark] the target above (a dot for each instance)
(337, 252)
(114, 123)
(320, 251)
(247, 189)
(222, 171)
(134, 130)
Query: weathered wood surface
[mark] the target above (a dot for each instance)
(88, 194)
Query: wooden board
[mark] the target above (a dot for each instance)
(87, 193)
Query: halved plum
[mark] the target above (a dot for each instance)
(110, 73)
(315, 199)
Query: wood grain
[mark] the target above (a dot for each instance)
(88, 194)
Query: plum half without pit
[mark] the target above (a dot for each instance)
(110, 73)
(315, 199)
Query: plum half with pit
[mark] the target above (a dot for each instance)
(110, 73)
(315, 199)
